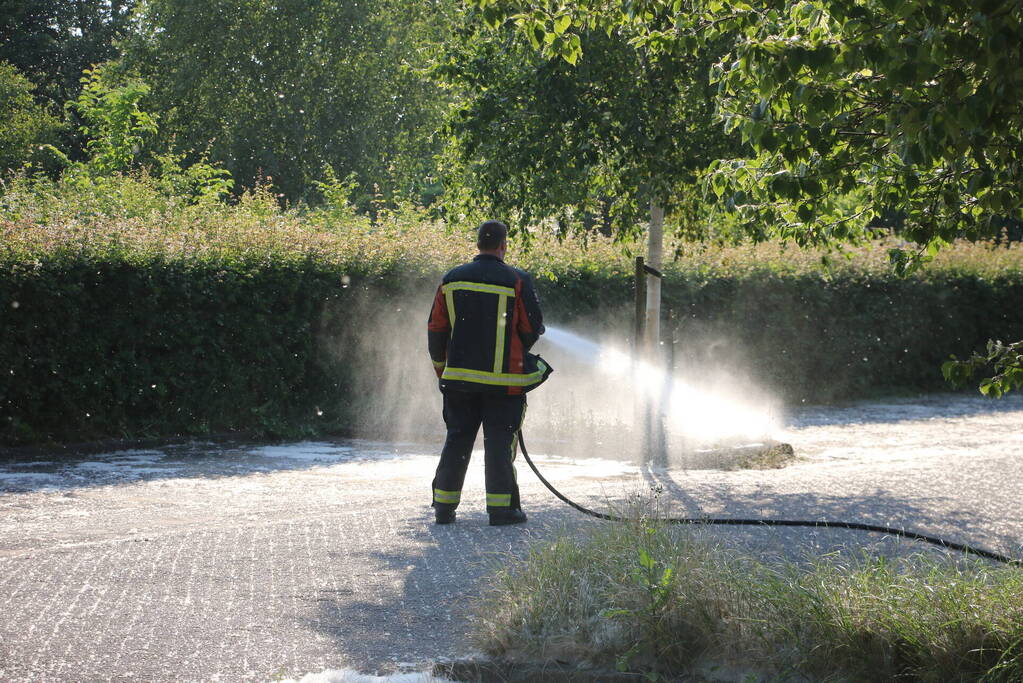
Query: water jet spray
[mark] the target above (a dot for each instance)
(612, 361)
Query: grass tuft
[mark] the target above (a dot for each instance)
(646, 597)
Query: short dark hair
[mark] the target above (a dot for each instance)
(491, 235)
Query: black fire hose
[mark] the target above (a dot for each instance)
(824, 524)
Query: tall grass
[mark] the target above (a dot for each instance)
(641, 596)
(132, 215)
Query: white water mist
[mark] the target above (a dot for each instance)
(702, 414)
(590, 407)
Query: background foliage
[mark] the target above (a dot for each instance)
(588, 144)
(860, 115)
(182, 176)
(283, 89)
(51, 42)
(26, 126)
(131, 312)
(910, 99)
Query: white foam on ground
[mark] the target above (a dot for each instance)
(139, 471)
(350, 676)
(35, 477)
(594, 467)
(137, 459)
(94, 466)
(310, 451)
(135, 453)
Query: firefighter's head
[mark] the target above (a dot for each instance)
(492, 238)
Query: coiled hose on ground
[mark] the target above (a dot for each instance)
(822, 524)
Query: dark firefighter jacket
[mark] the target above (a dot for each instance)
(485, 318)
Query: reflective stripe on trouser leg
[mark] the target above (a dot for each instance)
(502, 418)
(462, 416)
(498, 500)
(446, 497)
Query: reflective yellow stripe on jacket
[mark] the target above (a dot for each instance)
(496, 378)
(502, 302)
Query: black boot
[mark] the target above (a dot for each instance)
(504, 518)
(443, 514)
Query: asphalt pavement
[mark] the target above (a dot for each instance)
(238, 562)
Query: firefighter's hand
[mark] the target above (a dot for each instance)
(439, 369)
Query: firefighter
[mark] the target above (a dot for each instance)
(485, 318)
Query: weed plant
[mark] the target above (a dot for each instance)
(645, 597)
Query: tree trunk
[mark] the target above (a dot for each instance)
(655, 259)
(639, 330)
(605, 217)
(656, 439)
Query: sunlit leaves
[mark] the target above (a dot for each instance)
(916, 100)
(117, 127)
(1005, 359)
(538, 138)
(553, 29)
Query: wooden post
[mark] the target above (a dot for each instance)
(639, 339)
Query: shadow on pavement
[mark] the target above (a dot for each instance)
(447, 567)
(442, 573)
(882, 509)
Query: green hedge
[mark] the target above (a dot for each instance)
(118, 348)
(813, 336)
(126, 349)
(217, 319)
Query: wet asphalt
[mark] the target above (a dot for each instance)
(239, 562)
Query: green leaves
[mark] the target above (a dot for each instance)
(784, 185)
(547, 29)
(573, 120)
(493, 16)
(910, 99)
(645, 560)
(278, 89)
(117, 127)
(1005, 359)
(26, 128)
(562, 23)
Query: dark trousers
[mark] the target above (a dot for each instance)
(501, 417)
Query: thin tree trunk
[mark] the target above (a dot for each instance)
(656, 452)
(605, 217)
(655, 259)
